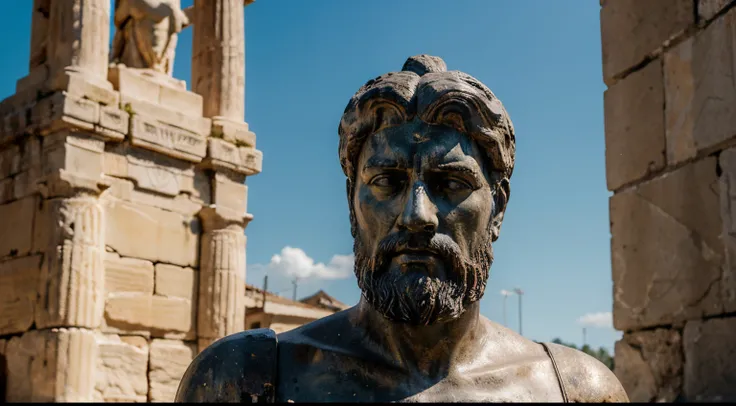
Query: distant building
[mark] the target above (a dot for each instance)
(267, 310)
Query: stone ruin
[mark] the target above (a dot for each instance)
(670, 124)
(123, 201)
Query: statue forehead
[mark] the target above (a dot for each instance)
(407, 141)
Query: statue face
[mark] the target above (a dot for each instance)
(423, 205)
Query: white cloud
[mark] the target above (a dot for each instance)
(600, 319)
(294, 262)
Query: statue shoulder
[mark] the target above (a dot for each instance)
(584, 378)
(238, 368)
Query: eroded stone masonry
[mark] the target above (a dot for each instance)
(122, 199)
(670, 123)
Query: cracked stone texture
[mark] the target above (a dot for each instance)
(700, 91)
(666, 249)
(634, 124)
(707, 9)
(710, 349)
(727, 160)
(169, 360)
(632, 29)
(649, 365)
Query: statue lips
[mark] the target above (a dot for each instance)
(419, 259)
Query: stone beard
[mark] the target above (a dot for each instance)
(416, 297)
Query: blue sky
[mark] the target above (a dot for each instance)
(305, 60)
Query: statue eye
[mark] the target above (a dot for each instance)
(455, 185)
(386, 181)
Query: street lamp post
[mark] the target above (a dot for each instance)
(505, 294)
(519, 293)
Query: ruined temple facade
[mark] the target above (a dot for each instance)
(670, 124)
(123, 203)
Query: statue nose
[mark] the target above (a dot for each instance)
(420, 214)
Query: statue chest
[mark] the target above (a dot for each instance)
(531, 381)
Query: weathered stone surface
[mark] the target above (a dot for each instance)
(172, 314)
(6, 190)
(712, 105)
(175, 281)
(128, 274)
(77, 86)
(126, 191)
(79, 41)
(634, 123)
(245, 160)
(131, 84)
(181, 100)
(55, 365)
(707, 9)
(169, 361)
(61, 111)
(169, 237)
(114, 119)
(679, 91)
(30, 168)
(194, 124)
(218, 57)
(122, 368)
(128, 311)
(632, 29)
(18, 290)
(17, 216)
(666, 249)
(230, 196)
(710, 348)
(151, 134)
(233, 132)
(132, 312)
(10, 159)
(79, 155)
(727, 160)
(649, 365)
(72, 292)
(221, 309)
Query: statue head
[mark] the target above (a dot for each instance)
(428, 154)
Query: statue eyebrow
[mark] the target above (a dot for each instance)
(459, 167)
(383, 163)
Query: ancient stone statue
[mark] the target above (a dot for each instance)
(428, 154)
(147, 33)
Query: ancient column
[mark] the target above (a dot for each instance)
(222, 277)
(80, 30)
(218, 57)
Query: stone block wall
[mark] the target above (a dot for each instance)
(122, 216)
(670, 125)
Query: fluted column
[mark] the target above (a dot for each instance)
(78, 40)
(218, 57)
(74, 292)
(221, 283)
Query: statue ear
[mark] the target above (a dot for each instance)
(500, 199)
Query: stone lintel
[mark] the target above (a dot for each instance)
(150, 133)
